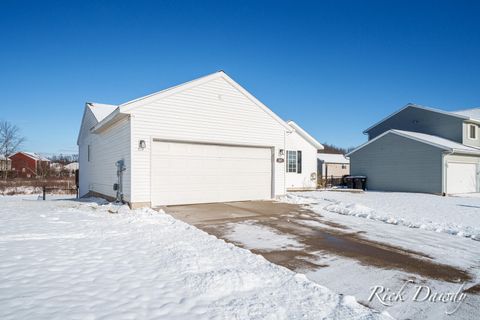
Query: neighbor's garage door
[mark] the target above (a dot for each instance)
(185, 173)
(461, 177)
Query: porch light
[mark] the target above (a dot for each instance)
(142, 144)
(281, 152)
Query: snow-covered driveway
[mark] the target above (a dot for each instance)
(445, 229)
(64, 259)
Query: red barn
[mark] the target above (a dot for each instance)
(28, 164)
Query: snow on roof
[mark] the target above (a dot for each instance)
(72, 166)
(471, 113)
(435, 141)
(2, 157)
(35, 156)
(333, 158)
(100, 110)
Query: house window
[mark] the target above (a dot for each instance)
(88, 153)
(294, 161)
(472, 132)
(344, 166)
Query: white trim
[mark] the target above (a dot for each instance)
(408, 105)
(128, 106)
(296, 161)
(469, 127)
(305, 135)
(111, 119)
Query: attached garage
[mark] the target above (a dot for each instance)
(184, 173)
(405, 161)
(207, 140)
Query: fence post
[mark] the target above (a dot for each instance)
(44, 191)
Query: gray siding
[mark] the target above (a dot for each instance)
(395, 163)
(424, 121)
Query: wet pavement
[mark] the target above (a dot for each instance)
(314, 233)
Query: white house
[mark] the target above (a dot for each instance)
(207, 140)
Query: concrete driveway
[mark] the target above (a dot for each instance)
(293, 236)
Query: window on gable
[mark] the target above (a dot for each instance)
(472, 131)
(294, 161)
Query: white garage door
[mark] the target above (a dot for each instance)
(185, 173)
(461, 177)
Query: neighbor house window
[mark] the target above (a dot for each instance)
(472, 131)
(88, 153)
(294, 161)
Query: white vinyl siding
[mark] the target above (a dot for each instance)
(306, 179)
(106, 148)
(212, 112)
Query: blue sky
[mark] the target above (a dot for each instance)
(335, 67)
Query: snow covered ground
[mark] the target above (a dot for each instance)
(453, 215)
(64, 259)
(444, 228)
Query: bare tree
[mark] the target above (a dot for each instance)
(43, 169)
(10, 140)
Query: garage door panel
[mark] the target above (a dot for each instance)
(198, 173)
(461, 177)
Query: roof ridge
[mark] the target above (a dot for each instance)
(169, 88)
(413, 105)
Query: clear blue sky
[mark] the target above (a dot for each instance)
(335, 67)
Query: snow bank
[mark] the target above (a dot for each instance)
(254, 236)
(452, 215)
(298, 198)
(70, 259)
(20, 190)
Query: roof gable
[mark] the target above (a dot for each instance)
(411, 105)
(88, 121)
(130, 105)
(434, 141)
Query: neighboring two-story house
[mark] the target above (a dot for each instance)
(420, 149)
